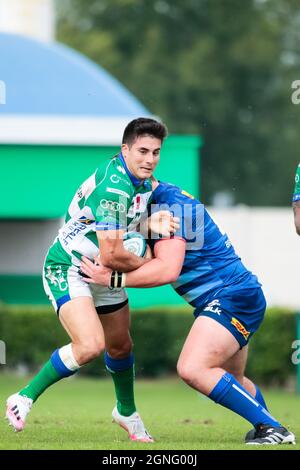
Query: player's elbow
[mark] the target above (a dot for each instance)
(172, 277)
(171, 274)
(297, 228)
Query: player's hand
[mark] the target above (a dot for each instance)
(96, 273)
(163, 223)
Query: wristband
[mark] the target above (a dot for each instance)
(123, 284)
(117, 280)
(112, 279)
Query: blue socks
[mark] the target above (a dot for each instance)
(229, 393)
(260, 398)
(118, 365)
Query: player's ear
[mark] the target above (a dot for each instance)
(125, 149)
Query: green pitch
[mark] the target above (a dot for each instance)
(75, 414)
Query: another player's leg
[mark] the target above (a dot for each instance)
(208, 346)
(119, 361)
(79, 318)
(236, 366)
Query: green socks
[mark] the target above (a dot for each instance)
(44, 378)
(61, 364)
(122, 372)
(124, 381)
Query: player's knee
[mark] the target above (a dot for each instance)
(193, 373)
(120, 351)
(186, 371)
(89, 351)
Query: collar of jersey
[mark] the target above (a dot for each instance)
(135, 181)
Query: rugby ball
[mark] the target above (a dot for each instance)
(135, 243)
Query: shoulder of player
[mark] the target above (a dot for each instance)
(113, 179)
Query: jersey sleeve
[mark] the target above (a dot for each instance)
(109, 205)
(296, 195)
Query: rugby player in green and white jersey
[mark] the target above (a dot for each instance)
(296, 200)
(109, 203)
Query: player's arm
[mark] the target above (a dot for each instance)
(163, 269)
(296, 209)
(113, 254)
(109, 204)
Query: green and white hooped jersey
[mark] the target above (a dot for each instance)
(108, 200)
(296, 195)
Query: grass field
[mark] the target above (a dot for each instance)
(75, 414)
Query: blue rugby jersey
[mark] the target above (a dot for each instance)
(211, 267)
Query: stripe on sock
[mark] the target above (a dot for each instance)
(245, 395)
(59, 366)
(118, 365)
(229, 393)
(67, 357)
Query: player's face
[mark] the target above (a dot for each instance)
(142, 156)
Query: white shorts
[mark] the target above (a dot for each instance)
(62, 282)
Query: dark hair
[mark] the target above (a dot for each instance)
(143, 126)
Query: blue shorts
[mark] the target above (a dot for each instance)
(241, 312)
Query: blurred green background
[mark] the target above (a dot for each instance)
(219, 68)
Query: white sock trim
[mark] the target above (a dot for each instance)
(67, 357)
(246, 395)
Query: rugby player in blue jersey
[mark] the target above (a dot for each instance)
(204, 269)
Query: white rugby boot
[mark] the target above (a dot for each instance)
(134, 425)
(18, 407)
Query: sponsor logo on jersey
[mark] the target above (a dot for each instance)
(185, 193)
(72, 230)
(118, 191)
(241, 329)
(115, 179)
(112, 205)
(213, 307)
(139, 204)
(121, 169)
(86, 221)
